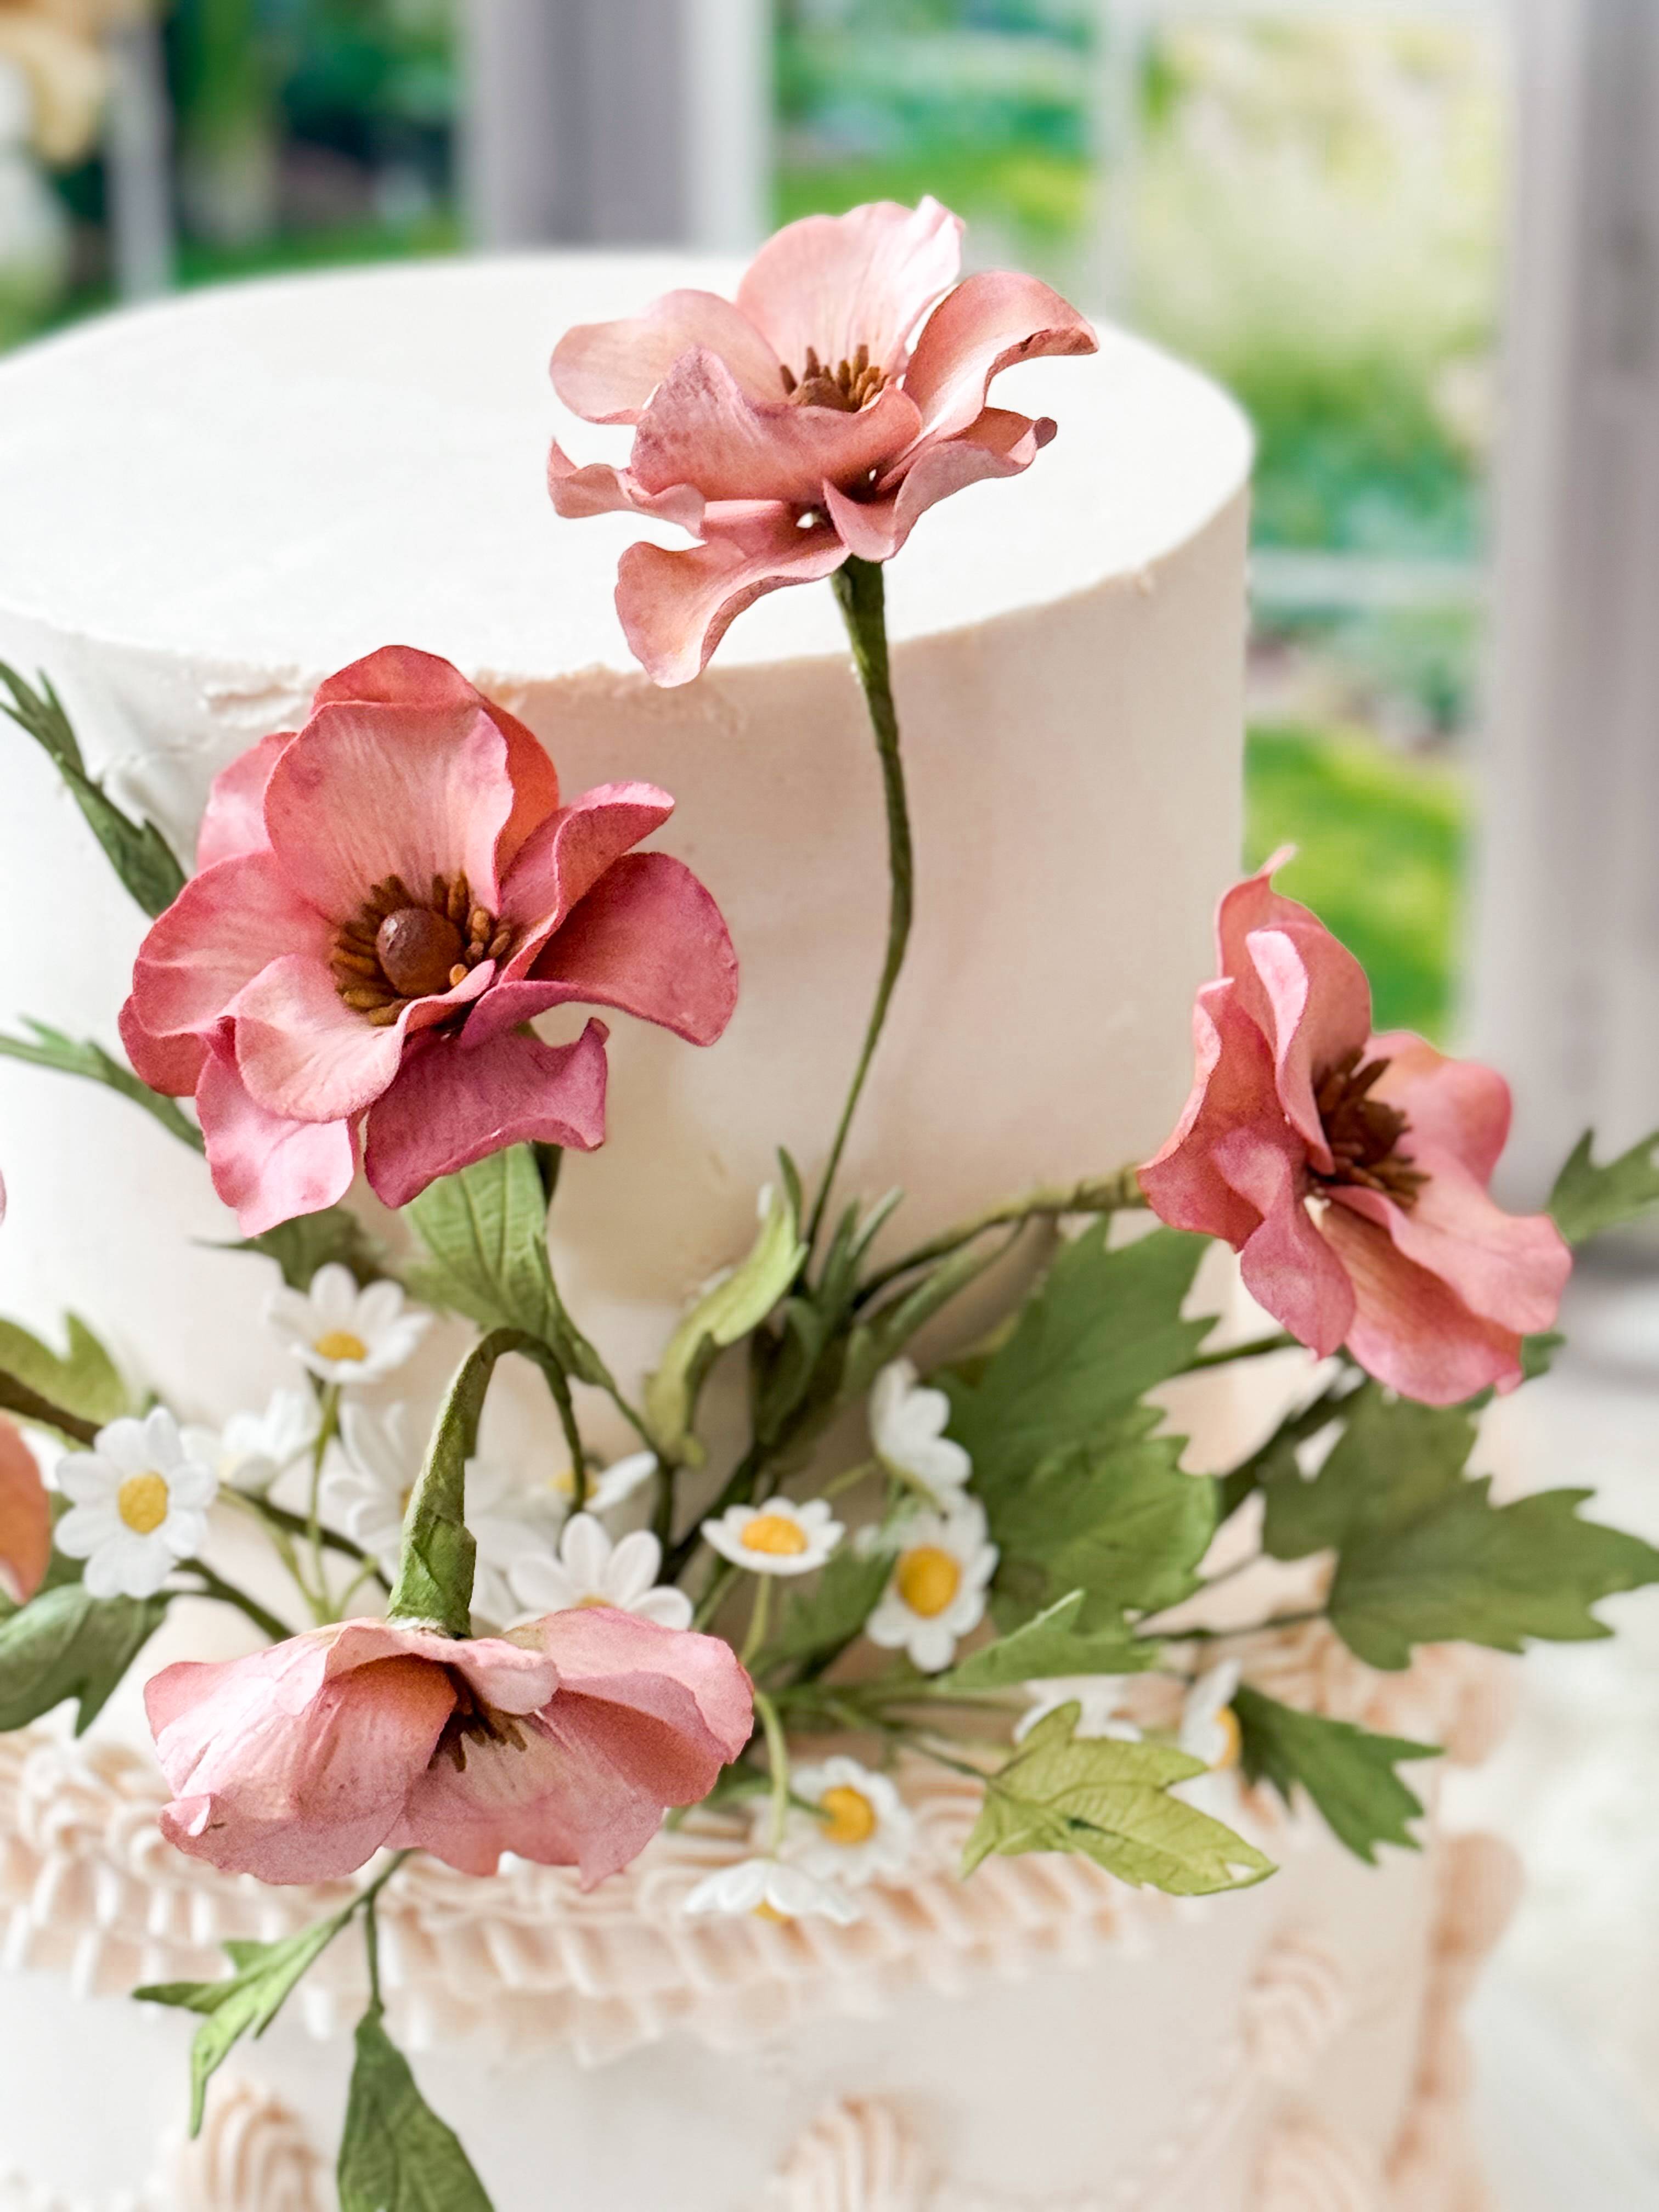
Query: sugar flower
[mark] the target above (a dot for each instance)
(620, 1480)
(138, 1504)
(1099, 1700)
(252, 1449)
(937, 1593)
(1209, 1730)
(773, 1890)
(591, 1570)
(819, 415)
(564, 1742)
(510, 1520)
(859, 1831)
(344, 1335)
(25, 1518)
(777, 1538)
(1349, 1171)
(907, 1427)
(385, 900)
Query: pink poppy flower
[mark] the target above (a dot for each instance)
(382, 900)
(1349, 1171)
(565, 1741)
(808, 420)
(25, 1518)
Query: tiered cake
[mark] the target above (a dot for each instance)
(207, 506)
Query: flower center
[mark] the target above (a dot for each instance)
(849, 1818)
(472, 1722)
(928, 1578)
(1232, 1740)
(1364, 1133)
(340, 1344)
(142, 1502)
(397, 948)
(775, 1533)
(847, 387)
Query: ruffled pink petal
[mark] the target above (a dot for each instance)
(1287, 1267)
(278, 1771)
(1509, 1269)
(675, 608)
(607, 372)
(268, 1168)
(368, 791)
(1313, 1000)
(649, 940)
(224, 928)
(988, 323)
(170, 1064)
(997, 445)
(512, 1677)
(450, 1107)
(25, 1511)
(402, 676)
(701, 428)
(568, 855)
(233, 822)
(835, 283)
(1457, 1106)
(1233, 1090)
(1410, 1330)
(303, 1053)
(597, 488)
(695, 1683)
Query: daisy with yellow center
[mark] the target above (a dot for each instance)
(771, 1889)
(777, 1538)
(1209, 1728)
(138, 1505)
(859, 1830)
(591, 1570)
(343, 1333)
(936, 1594)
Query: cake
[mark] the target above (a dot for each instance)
(210, 505)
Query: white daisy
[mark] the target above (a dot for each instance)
(619, 1480)
(907, 1427)
(1100, 1696)
(862, 1831)
(510, 1520)
(592, 1570)
(344, 1334)
(138, 1505)
(777, 1538)
(252, 1449)
(1209, 1728)
(365, 1489)
(937, 1593)
(772, 1890)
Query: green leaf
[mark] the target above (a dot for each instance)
(1392, 1454)
(1347, 1771)
(1098, 1331)
(485, 1234)
(1048, 1646)
(733, 1306)
(333, 1236)
(137, 851)
(1110, 1800)
(1588, 1198)
(82, 1380)
(816, 1623)
(397, 2155)
(50, 1047)
(63, 1643)
(244, 2002)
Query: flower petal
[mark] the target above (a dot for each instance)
(607, 372)
(998, 444)
(450, 1107)
(302, 1052)
(1287, 1267)
(25, 1518)
(693, 1682)
(988, 323)
(568, 856)
(170, 1064)
(268, 1168)
(1509, 1269)
(1457, 1106)
(675, 608)
(597, 488)
(1313, 1002)
(233, 821)
(1232, 1090)
(1410, 1330)
(835, 283)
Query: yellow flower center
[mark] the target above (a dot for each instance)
(765, 1912)
(775, 1534)
(1227, 1721)
(142, 1502)
(849, 1818)
(928, 1578)
(340, 1344)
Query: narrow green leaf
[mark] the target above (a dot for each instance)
(1588, 1199)
(1111, 1802)
(50, 1047)
(1050, 1645)
(243, 2002)
(733, 1306)
(819, 1622)
(395, 2155)
(333, 1235)
(136, 850)
(63, 1643)
(1348, 1772)
(82, 1380)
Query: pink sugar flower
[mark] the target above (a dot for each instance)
(1349, 1171)
(564, 1742)
(383, 900)
(818, 416)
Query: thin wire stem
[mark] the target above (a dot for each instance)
(214, 1586)
(777, 1753)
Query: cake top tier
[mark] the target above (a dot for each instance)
(291, 471)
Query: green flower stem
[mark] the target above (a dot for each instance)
(1251, 1628)
(714, 1596)
(1257, 1348)
(738, 1489)
(280, 1522)
(28, 1405)
(367, 1901)
(1113, 1194)
(777, 1756)
(214, 1586)
(760, 1619)
(861, 591)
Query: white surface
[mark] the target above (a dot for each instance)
(1556, 2135)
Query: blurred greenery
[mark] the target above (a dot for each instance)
(1381, 840)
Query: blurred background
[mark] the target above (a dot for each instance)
(1419, 242)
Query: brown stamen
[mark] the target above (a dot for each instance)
(397, 948)
(848, 386)
(471, 1722)
(1363, 1133)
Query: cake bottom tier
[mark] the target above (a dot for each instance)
(1039, 2040)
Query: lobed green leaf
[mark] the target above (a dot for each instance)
(395, 2155)
(1347, 1771)
(82, 1380)
(1049, 1644)
(1589, 1198)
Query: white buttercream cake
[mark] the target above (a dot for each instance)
(207, 506)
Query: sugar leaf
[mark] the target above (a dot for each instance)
(1587, 1198)
(332, 1236)
(1110, 1800)
(65, 1643)
(726, 1312)
(82, 1380)
(1347, 1771)
(485, 1234)
(1049, 1644)
(818, 1623)
(395, 2155)
(51, 1047)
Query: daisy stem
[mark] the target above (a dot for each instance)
(1280, 1340)
(759, 1619)
(1114, 1194)
(860, 590)
(214, 1586)
(777, 1754)
(16, 1397)
(714, 1596)
(317, 1597)
(852, 1477)
(1253, 1628)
